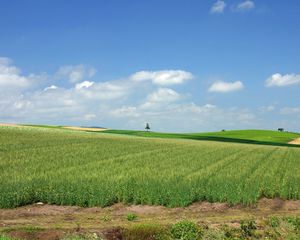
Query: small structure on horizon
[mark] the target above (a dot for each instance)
(280, 130)
(147, 127)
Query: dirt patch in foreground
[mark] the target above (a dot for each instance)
(296, 141)
(51, 222)
(68, 217)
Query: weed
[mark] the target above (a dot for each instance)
(248, 227)
(131, 217)
(274, 221)
(147, 232)
(106, 218)
(186, 230)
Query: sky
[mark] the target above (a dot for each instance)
(182, 66)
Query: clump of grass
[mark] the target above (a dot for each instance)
(230, 233)
(149, 231)
(186, 230)
(131, 216)
(294, 221)
(248, 227)
(106, 218)
(3, 237)
(273, 221)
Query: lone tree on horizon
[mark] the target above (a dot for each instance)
(147, 127)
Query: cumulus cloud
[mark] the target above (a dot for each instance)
(190, 117)
(103, 90)
(75, 73)
(52, 87)
(127, 103)
(85, 84)
(10, 76)
(161, 97)
(278, 80)
(246, 5)
(218, 7)
(165, 77)
(224, 87)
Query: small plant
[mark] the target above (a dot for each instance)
(131, 217)
(248, 227)
(106, 218)
(295, 221)
(2, 237)
(229, 232)
(186, 230)
(32, 229)
(90, 236)
(273, 221)
(150, 231)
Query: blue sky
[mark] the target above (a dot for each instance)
(180, 65)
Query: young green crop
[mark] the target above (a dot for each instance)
(90, 169)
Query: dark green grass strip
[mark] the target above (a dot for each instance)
(260, 137)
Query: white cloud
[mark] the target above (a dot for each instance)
(103, 91)
(85, 84)
(246, 5)
(164, 95)
(267, 109)
(10, 76)
(161, 97)
(189, 117)
(165, 77)
(75, 73)
(278, 80)
(126, 103)
(290, 110)
(125, 111)
(218, 7)
(89, 116)
(224, 87)
(52, 87)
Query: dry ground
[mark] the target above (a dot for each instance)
(9, 124)
(53, 221)
(296, 141)
(66, 127)
(85, 129)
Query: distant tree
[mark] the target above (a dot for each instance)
(280, 129)
(147, 127)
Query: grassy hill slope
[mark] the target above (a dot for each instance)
(264, 137)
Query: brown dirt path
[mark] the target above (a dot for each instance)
(9, 125)
(296, 141)
(85, 129)
(55, 221)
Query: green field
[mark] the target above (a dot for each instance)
(98, 169)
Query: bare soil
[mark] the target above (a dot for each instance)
(9, 125)
(86, 129)
(296, 141)
(42, 221)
